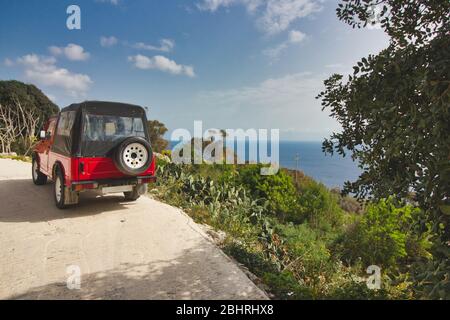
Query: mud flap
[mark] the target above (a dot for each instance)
(70, 197)
(141, 189)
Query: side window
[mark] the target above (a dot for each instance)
(66, 120)
(51, 127)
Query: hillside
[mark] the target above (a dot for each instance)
(29, 96)
(302, 240)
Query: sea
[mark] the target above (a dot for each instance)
(332, 171)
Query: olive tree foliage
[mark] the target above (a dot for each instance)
(413, 22)
(394, 109)
(31, 99)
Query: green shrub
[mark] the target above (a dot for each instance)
(384, 236)
(167, 153)
(251, 257)
(350, 204)
(217, 172)
(277, 190)
(354, 290)
(306, 245)
(432, 278)
(310, 260)
(285, 286)
(319, 206)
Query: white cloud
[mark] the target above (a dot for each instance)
(283, 102)
(273, 92)
(273, 16)
(56, 51)
(279, 14)
(274, 52)
(108, 41)
(334, 66)
(166, 45)
(8, 62)
(113, 2)
(213, 5)
(37, 63)
(161, 63)
(43, 71)
(294, 37)
(72, 52)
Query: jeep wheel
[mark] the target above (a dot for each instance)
(133, 156)
(38, 177)
(63, 197)
(59, 190)
(136, 193)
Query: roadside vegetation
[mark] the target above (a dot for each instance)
(297, 236)
(16, 157)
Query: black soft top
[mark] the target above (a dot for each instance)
(69, 142)
(106, 107)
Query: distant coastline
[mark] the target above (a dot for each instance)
(332, 171)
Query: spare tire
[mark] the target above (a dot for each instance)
(133, 156)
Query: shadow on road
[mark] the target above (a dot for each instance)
(184, 277)
(22, 201)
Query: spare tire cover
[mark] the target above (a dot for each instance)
(133, 156)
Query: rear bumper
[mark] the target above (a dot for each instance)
(95, 184)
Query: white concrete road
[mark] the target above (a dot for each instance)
(124, 250)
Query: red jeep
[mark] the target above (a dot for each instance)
(95, 145)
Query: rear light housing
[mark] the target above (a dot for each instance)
(79, 187)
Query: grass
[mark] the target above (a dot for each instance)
(18, 158)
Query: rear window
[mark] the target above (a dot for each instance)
(111, 128)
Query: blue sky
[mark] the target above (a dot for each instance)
(230, 63)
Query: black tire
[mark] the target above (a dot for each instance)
(136, 193)
(38, 177)
(133, 158)
(59, 183)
